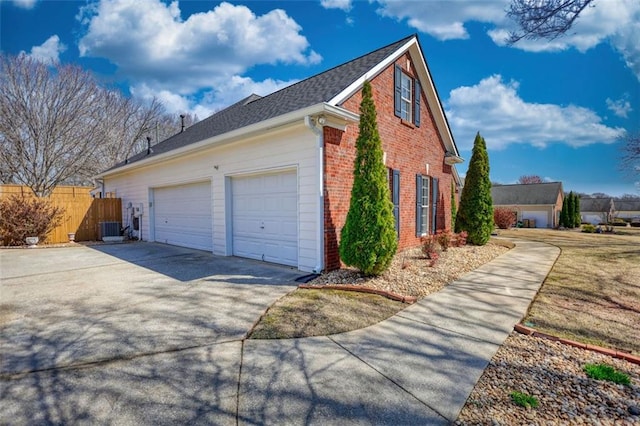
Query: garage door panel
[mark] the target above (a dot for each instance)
(183, 216)
(540, 217)
(265, 217)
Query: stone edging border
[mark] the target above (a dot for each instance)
(360, 289)
(520, 328)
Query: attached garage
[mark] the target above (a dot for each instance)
(540, 217)
(265, 217)
(182, 215)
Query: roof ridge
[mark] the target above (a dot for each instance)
(343, 64)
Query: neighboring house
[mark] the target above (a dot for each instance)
(270, 178)
(628, 209)
(536, 204)
(597, 210)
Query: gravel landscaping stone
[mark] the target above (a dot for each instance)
(412, 274)
(553, 373)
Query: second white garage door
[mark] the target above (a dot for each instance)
(265, 217)
(182, 215)
(539, 216)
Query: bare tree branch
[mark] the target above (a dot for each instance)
(57, 125)
(546, 19)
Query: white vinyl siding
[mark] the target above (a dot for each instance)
(292, 147)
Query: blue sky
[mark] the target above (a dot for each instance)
(554, 109)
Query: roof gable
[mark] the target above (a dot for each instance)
(328, 87)
(520, 194)
(627, 205)
(604, 205)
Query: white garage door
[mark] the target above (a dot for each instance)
(265, 217)
(182, 215)
(538, 216)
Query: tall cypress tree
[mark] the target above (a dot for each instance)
(475, 212)
(571, 217)
(454, 207)
(368, 239)
(576, 211)
(564, 213)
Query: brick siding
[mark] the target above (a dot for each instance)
(408, 149)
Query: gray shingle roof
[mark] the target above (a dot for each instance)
(627, 205)
(595, 205)
(535, 193)
(254, 109)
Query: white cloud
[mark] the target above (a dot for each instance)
(621, 107)
(49, 51)
(25, 4)
(336, 4)
(443, 20)
(495, 109)
(225, 93)
(179, 59)
(617, 22)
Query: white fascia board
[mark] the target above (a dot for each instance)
(338, 115)
(433, 99)
(423, 75)
(356, 85)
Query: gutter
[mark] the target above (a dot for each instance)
(335, 116)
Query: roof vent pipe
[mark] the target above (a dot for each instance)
(181, 123)
(148, 145)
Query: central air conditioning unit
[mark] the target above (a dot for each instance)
(109, 229)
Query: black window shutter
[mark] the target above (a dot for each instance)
(434, 204)
(418, 205)
(396, 200)
(416, 108)
(397, 92)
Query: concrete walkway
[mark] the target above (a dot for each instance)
(417, 367)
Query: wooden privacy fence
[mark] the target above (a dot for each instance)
(82, 213)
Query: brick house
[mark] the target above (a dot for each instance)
(269, 178)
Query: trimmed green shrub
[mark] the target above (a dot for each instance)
(368, 240)
(22, 217)
(588, 228)
(475, 213)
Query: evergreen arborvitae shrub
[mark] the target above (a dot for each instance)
(368, 240)
(571, 217)
(454, 207)
(564, 213)
(576, 208)
(475, 212)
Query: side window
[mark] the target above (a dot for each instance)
(407, 97)
(422, 205)
(395, 197)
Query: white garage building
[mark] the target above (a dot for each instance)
(537, 204)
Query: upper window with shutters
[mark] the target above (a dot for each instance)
(407, 97)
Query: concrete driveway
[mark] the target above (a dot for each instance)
(141, 302)
(149, 334)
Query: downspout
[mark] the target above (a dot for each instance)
(101, 182)
(311, 123)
